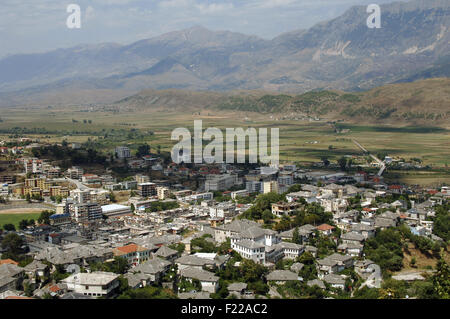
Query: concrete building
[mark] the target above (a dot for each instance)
(95, 284)
(220, 182)
(270, 187)
(123, 152)
(115, 210)
(147, 189)
(133, 253)
(86, 212)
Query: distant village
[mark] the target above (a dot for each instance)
(104, 236)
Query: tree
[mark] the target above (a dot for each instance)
(23, 224)
(342, 162)
(296, 236)
(112, 197)
(325, 161)
(9, 227)
(12, 244)
(441, 279)
(143, 150)
(413, 262)
(44, 218)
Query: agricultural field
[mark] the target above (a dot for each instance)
(301, 141)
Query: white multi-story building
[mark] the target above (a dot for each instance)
(163, 192)
(115, 210)
(220, 182)
(123, 152)
(222, 210)
(270, 187)
(86, 212)
(240, 193)
(286, 179)
(254, 186)
(95, 284)
(250, 250)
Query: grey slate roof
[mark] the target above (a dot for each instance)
(339, 257)
(237, 286)
(194, 295)
(10, 270)
(192, 260)
(35, 265)
(249, 244)
(239, 225)
(255, 232)
(282, 275)
(199, 274)
(165, 252)
(352, 236)
(334, 279)
(135, 279)
(316, 282)
(151, 266)
(296, 267)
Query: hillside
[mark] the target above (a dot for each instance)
(421, 102)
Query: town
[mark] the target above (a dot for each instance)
(137, 225)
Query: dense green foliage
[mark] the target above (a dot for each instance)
(160, 206)
(385, 249)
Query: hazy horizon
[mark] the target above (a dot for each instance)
(35, 26)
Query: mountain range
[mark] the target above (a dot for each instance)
(340, 54)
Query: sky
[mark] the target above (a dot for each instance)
(31, 26)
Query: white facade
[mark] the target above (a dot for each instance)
(95, 284)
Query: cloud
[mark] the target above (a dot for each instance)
(214, 8)
(276, 3)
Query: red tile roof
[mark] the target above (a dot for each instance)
(54, 288)
(325, 227)
(131, 248)
(8, 261)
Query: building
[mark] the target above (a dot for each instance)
(134, 254)
(95, 284)
(250, 250)
(142, 179)
(325, 229)
(282, 276)
(208, 280)
(286, 179)
(60, 219)
(91, 179)
(162, 192)
(123, 152)
(254, 186)
(220, 182)
(270, 187)
(86, 212)
(147, 189)
(280, 209)
(240, 193)
(222, 210)
(115, 210)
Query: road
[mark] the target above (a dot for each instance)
(375, 278)
(376, 159)
(74, 181)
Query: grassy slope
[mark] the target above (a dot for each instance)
(421, 102)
